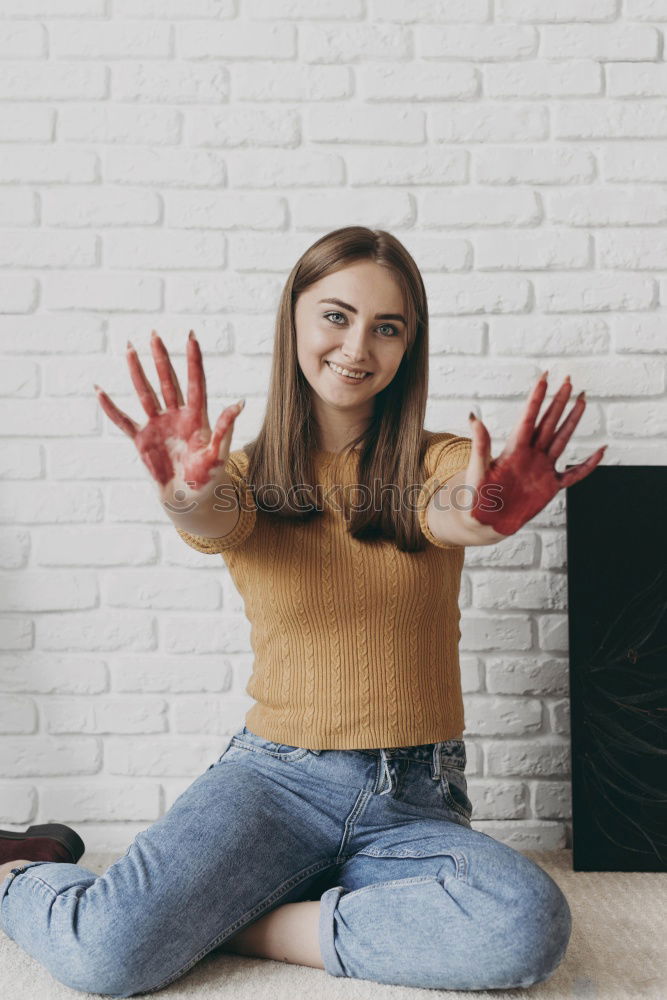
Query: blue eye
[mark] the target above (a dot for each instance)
(388, 325)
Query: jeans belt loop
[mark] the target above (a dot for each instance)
(437, 761)
(386, 771)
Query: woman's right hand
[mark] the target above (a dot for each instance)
(176, 444)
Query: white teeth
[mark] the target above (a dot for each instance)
(344, 371)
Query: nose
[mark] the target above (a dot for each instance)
(354, 348)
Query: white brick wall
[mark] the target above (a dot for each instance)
(163, 164)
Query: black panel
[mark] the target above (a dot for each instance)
(617, 601)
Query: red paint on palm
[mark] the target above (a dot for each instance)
(176, 444)
(511, 489)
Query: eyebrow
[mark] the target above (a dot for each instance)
(346, 305)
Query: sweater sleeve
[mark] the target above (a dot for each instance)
(243, 527)
(446, 456)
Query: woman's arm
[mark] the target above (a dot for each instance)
(445, 517)
(212, 514)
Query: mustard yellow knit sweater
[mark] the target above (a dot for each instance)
(355, 644)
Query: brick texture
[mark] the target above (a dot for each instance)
(163, 166)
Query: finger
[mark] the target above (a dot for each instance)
(171, 390)
(480, 454)
(566, 429)
(196, 379)
(574, 475)
(145, 391)
(223, 424)
(526, 426)
(545, 428)
(120, 419)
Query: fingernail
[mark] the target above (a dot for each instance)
(241, 403)
(544, 374)
(191, 335)
(471, 416)
(582, 395)
(129, 346)
(567, 379)
(96, 387)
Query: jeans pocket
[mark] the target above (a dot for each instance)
(222, 755)
(245, 739)
(454, 788)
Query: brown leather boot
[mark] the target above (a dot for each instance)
(48, 842)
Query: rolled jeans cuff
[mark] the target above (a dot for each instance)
(7, 881)
(328, 904)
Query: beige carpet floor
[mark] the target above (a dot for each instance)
(617, 951)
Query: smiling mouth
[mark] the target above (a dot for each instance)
(347, 378)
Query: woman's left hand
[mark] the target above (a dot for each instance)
(524, 477)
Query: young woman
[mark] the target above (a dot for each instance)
(334, 830)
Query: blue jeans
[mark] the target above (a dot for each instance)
(410, 893)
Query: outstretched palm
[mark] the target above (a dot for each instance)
(511, 489)
(176, 444)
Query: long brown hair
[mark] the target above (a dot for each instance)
(392, 447)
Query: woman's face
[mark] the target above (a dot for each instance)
(363, 329)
